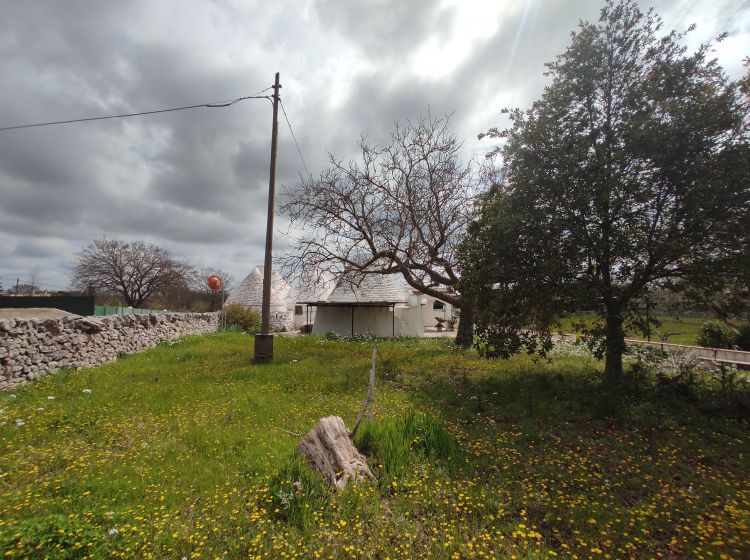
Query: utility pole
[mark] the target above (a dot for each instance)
(263, 352)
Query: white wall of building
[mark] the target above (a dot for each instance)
(429, 313)
(409, 321)
(377, 321)
(302, 319)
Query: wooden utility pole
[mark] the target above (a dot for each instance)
(264, 341)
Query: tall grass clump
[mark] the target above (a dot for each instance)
(395, 445)
(299, 494)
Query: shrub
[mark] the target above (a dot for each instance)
(680, 369)
(714, 335)
(365, 338)
(563, 349)
(742, 337)
(242, 317)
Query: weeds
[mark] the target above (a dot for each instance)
(474, 458)
(299, 494)
(397, 444)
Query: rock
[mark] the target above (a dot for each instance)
(329, 449)
(31, 348)
(52, 326)
(89, 325)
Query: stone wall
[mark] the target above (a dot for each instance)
(280, 321)
(30, 348)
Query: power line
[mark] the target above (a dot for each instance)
(215, 105)
(677, 14)
(295, 139)
(690, 9)
(723, 26)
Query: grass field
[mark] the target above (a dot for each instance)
(684, 330)
(187, 451)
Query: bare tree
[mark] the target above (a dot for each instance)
(33, 276)
(135, 270)
(198, 284)
(400, 209)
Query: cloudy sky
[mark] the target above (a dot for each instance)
(196, 181)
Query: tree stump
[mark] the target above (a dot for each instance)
(329, 449)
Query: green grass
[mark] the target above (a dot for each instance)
(188, 451)
(685, 329)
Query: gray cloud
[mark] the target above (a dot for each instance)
(196, 181)
(385, 28)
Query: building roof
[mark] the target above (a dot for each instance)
(312, 288)
(250, 291)
(370, 289)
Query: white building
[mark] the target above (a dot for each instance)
(432, 309)
(303, 290)
(250, 294)
(372, 304)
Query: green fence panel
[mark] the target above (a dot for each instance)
(110, 310)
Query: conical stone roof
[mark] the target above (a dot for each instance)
(310, 289)
(370, 288)
(250, 291)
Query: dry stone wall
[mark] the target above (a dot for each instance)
(280, 321)
(30, 348)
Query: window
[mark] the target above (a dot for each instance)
(438, 305)
(298, 310)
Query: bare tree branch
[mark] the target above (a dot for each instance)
(136, 270)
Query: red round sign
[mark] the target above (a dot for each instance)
(214, 283)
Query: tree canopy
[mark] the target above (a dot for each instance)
(631, 171)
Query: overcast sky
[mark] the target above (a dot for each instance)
(196, 181)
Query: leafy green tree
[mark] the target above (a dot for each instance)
(631, 171)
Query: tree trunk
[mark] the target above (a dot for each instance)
(465, 335)
(329, 449)
(615, 340)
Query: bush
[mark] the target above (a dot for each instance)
(742, 337)
(714, 335)
(365, 338)
(242, 317)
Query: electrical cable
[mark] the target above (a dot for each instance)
(690, 9)
(677, 14)
(726, 22)
(294, 138)
(215, 105)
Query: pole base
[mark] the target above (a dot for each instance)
(263, 348)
